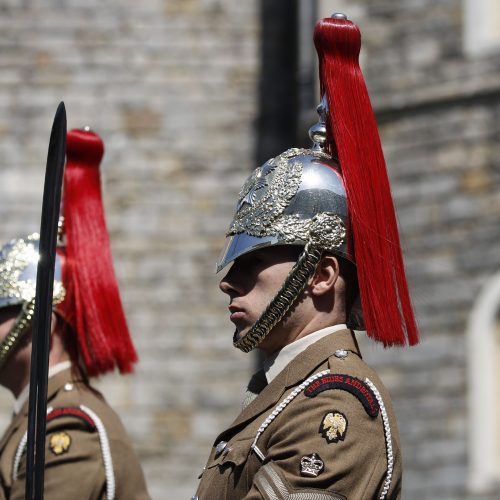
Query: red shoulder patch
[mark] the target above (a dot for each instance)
(72, 412)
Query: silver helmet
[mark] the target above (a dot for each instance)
(292, 199)
(296, 198)
(18, 269)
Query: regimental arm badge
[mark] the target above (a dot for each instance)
(311, 465)
(59, 443)
(333, 427)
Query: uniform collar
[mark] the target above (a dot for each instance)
(304, 364)
(275, 363)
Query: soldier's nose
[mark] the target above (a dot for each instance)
(227, 287)
(230, 286)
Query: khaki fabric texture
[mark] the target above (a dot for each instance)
(78, 472)
(355, 468)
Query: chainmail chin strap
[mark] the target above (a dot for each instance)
(289, 292)
(17, 332)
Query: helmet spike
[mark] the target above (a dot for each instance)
(353, 137)
(317, 132)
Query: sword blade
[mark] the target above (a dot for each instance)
(43, 307)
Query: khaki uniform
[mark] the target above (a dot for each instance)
(74, 464)
(324, 439)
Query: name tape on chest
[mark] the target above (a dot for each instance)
(342, 382)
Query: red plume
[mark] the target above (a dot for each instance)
(92, 305)
(353, 137)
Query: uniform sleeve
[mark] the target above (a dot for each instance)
(130, 482)
(326, 447)
(73, 463)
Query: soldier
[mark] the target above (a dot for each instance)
(88, 453)
(315, 252)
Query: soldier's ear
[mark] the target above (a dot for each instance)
(326, 275)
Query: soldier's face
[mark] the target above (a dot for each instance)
(252, 282)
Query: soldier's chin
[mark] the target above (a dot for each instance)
(239, 334)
